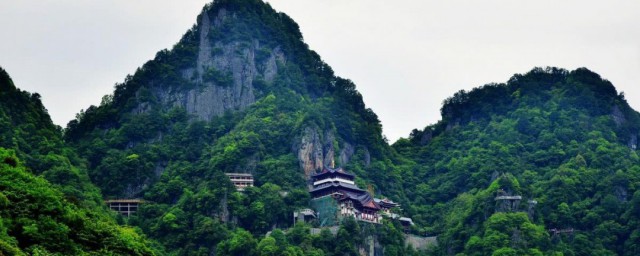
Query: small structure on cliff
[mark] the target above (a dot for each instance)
(335, 196)
(386, 205)
(506, 202)
(125, 207)
(241, 180)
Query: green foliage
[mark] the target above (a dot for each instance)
(47, 203)
(220, 78)
(41, 219)
(137, 146)
(508, 234)
(240, 243)
(557, 137)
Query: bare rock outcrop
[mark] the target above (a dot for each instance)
(633, 141)
(346, 153)
(367, 157)
(427, 136)
(328, 149)
(309, 151)
(223, 75)
(314, 152)
(618, 116)
(232, 60)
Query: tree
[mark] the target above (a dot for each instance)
(240, 243)
(268, 247)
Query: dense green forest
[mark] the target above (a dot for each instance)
(153, 139)
(566, 140)
(47, 202)
(544, 164)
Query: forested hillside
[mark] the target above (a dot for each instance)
(240, 92)
(544, 164)
(563, 141)
(47, 203)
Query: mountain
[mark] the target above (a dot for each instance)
(545, 163)
(242, 74)
(47, 202)
(240, 92)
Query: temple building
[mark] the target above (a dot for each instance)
(335, 196)
(241, 180)
(386, 206)
(125, 207)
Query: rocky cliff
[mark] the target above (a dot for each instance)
(240, 92)
(223, 74)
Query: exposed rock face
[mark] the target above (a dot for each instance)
(371, 247)
(310, 152)
(159, 169)
(346, 153)
(426, 137)
(328, 149)
(420, 243)
(314, 152)
(367, 157)
(619, 119)
(618, 116)
(453, 124)
(211, 99)
(633, 141)
(249, 165)
(271, 66)
(134, 190)
(204, 53)
(235, 62)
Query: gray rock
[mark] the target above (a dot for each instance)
(618, 116)
(633, 141)
(427, 136)
(328, 150)
(346, 153)
(309, 151)
(237, 60)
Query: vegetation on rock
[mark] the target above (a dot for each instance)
(566, 138)
(47, 203)
(545, 164)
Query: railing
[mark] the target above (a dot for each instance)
(508, 197)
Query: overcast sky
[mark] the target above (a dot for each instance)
(405, 57)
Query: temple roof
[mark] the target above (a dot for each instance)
(386, 203)
(363, 198)
(348, 191)
(337, 185)
(124, 201)
(328, 170)
(238, 174)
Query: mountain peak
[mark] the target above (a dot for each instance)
(240, 93)
(586, 89)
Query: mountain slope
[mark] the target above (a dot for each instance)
(47, 203)
(240, 92)
(566, 140)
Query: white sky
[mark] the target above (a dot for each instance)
(405, 56)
